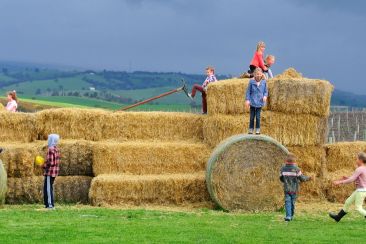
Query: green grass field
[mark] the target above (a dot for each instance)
(82, 102)
(83, 224)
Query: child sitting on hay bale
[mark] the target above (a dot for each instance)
(291, 176)
(269, 61)
(256, 97)
(257, 61)
(51, 169)
(359, 195)
(210, 71)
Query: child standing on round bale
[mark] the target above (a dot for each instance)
(257, 61)
(256, 97)
(291, 176)
(51, 169)
(359, 195)
(12, 102)
(210, 71)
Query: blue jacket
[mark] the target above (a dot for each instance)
(256, 93)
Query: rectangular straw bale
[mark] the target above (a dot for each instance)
(148, 189)
(295, 96)
(300, 96)
(227, 96)
(311, 190)
(309, 158)
(19, 158)
(153, 126)
(67, 189)
(138, 157)
(341, 192)
(290, 130)
(76, 158)
(342, 155)
(17, 127)
(72, 123)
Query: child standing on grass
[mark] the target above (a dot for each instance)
(256, 97)
(210, 71)
(359, 195)
(12, 102)
(291, 176)
(51, 169)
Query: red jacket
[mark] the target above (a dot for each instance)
(258, 61)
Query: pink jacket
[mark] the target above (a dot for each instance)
(359, 176)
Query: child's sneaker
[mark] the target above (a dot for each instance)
(190, 96)
(250, 131)
(287, 219)
(257, 131)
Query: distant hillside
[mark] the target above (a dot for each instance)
(342, 98)
(47, 82)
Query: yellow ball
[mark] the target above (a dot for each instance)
(39, 160)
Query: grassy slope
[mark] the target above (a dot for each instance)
(81, 102)
(95, 225)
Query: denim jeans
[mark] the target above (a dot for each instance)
(255, 112)
(290, 199)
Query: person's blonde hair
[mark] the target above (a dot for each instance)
(260, 44)
(13, 95)
(211, 69)
(257, 70)
(270, 56)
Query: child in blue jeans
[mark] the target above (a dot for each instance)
(291, 176)
(256, 97)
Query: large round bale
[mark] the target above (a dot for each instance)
(3, 183)
(243, 173)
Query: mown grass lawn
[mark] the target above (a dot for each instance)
(75, 224)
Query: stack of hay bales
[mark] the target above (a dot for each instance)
(25, 180)
(296, 116)
(145, 172)
(340, 161)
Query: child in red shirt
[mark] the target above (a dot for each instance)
(257, 61)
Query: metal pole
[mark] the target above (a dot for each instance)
(152, 99)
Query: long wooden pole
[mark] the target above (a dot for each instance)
(152, 99)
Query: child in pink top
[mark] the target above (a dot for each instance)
(12, 102)
(358, 196)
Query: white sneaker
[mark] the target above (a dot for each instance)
(190, 96)
(257, 131)
(250, 131)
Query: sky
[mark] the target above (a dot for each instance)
(321, 39)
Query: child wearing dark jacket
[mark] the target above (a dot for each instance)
(291, 176)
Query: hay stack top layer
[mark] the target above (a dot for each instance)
(288, 93)
(99, 125)
(242, 173)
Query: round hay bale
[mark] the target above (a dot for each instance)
(243, 173)
(3, 183)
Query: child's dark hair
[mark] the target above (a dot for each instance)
(291, 158)
(362, 156)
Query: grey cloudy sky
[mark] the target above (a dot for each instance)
(322, 39)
